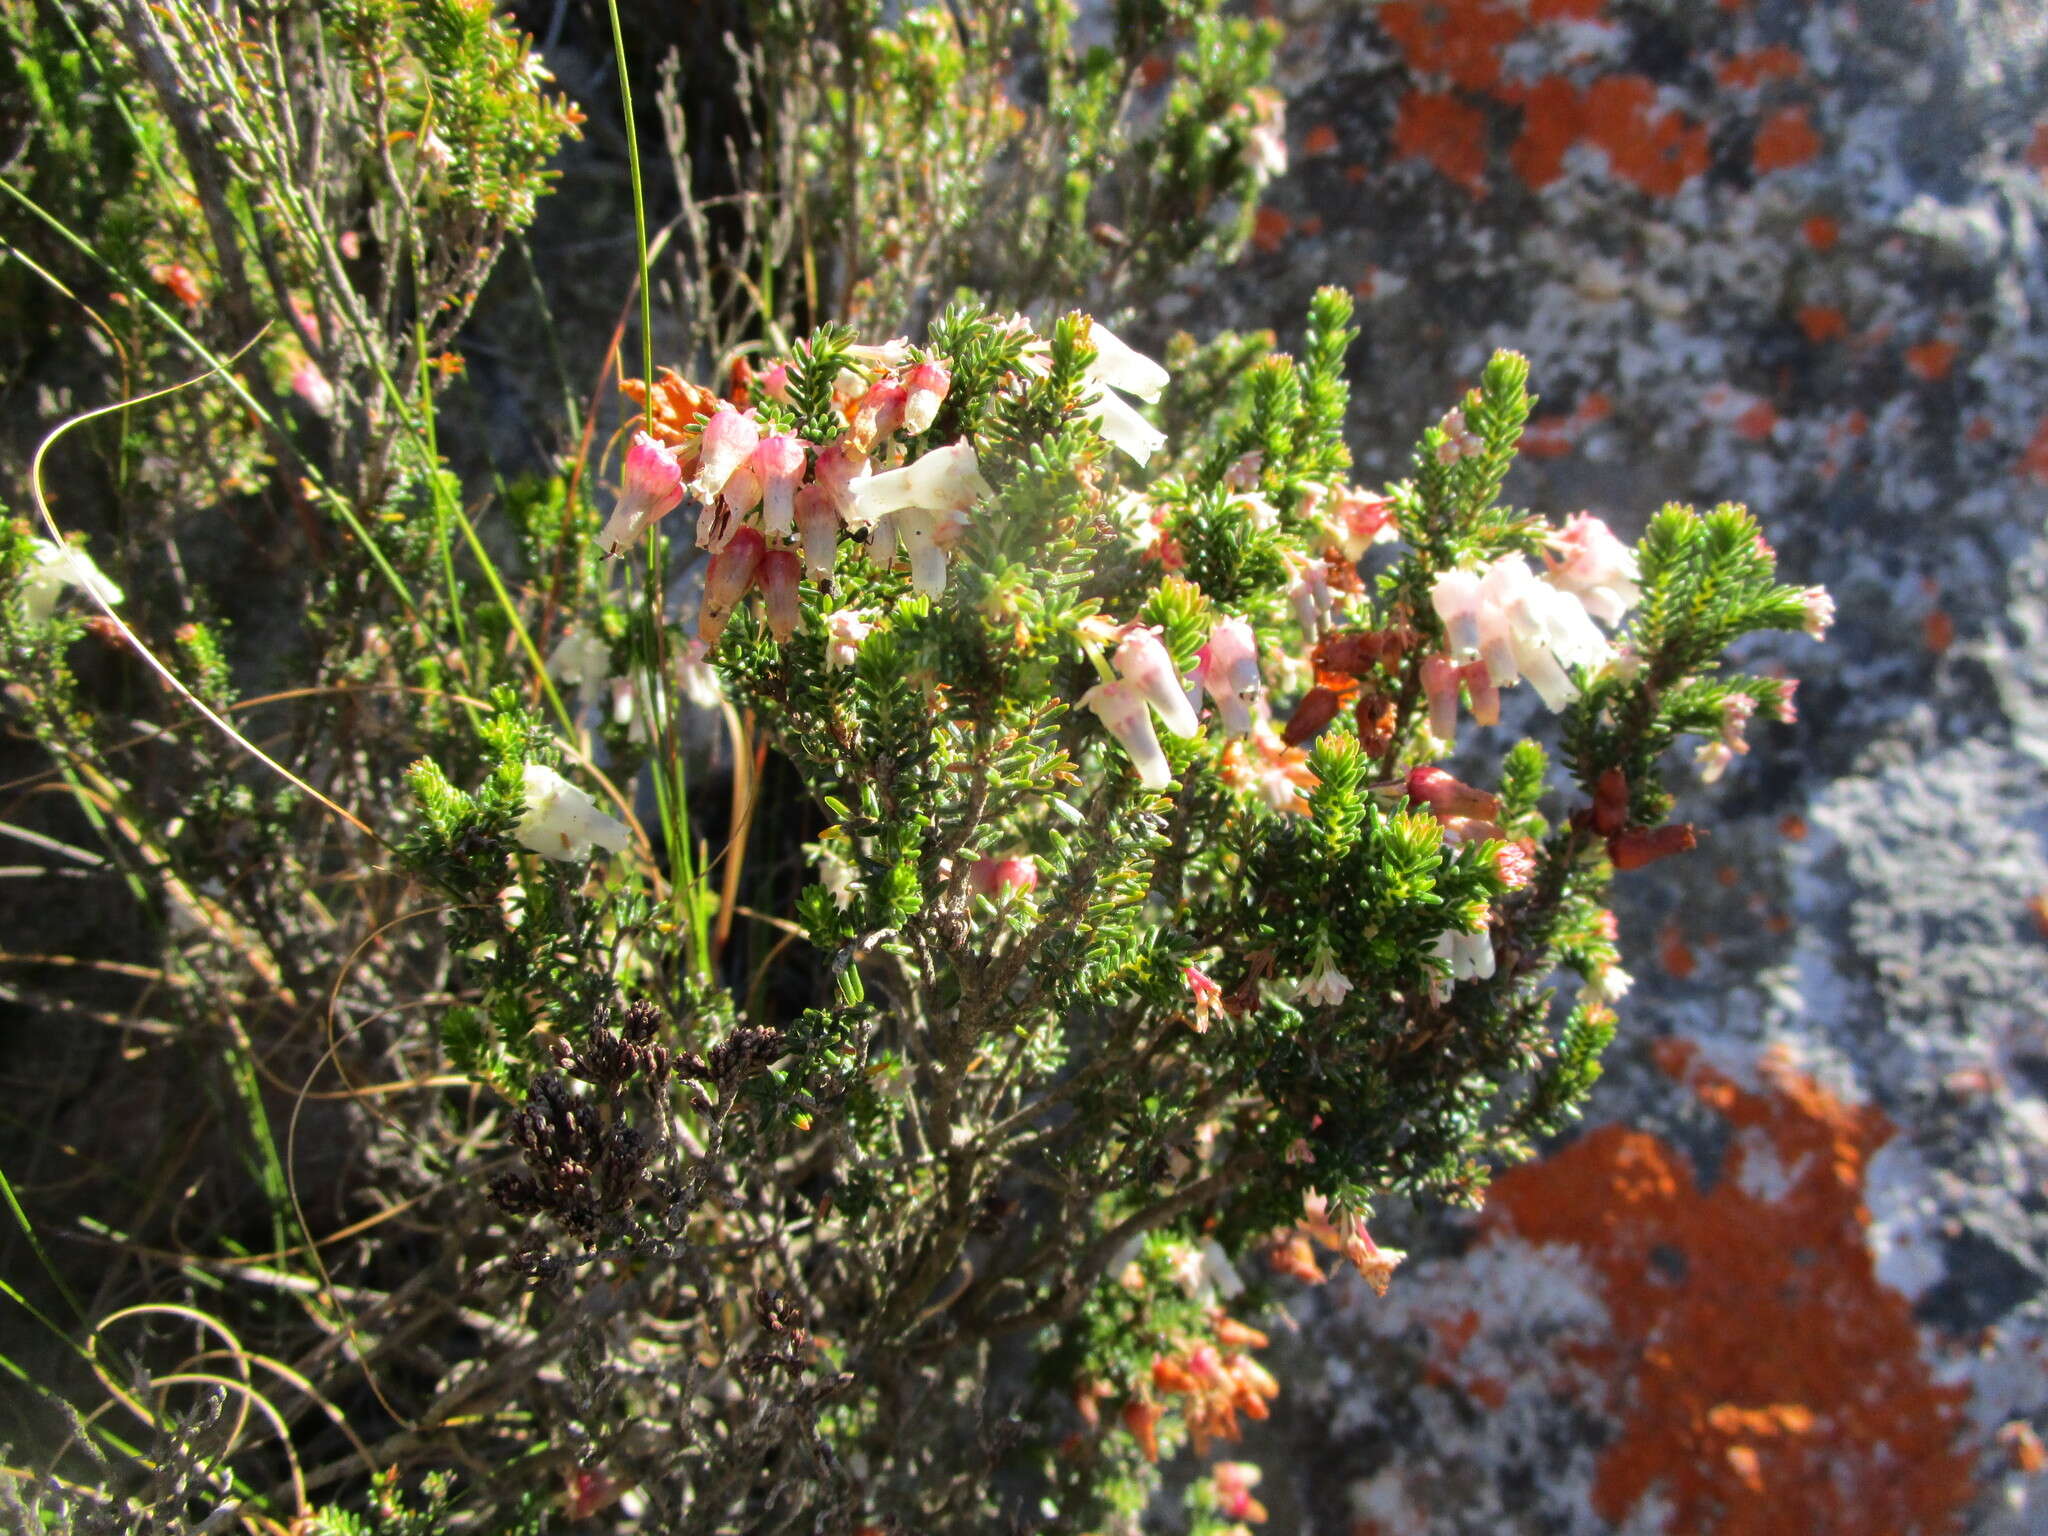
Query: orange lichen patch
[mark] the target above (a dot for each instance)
(1792, 828)
(2034, 461)
(1785, 140)
(1319, 140)
(1657, 153)
(1355, 173)
(1674, 954)
(1979, 429)
(1822, 322)
(1745, 71)
(1727, 875)
(1437, 127)
(2038, 905)
(1764, 1379)
(1757, 423)
(2037, 150)
(1821, 232)
(1566, 10)
(1270, 229)
(1312, 225)
(1547, 437)
(1460, 39)
(1938, 631)
(1553, 120)
(1931, 360)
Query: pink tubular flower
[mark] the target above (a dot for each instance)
(1143, 660)
(817, 526)
(1446, 796)
(780, 570)
(1234, 1482)
(1208, 998)
(726, 579)
(925, 389)
(1362, 520)
(1820, 611)
(993, 877)
(1124, 711)
(778, 463)
(1228, 668)
(1595, 567)
(654, 486)
(879, 414)
(1440, 686)
(729, 440)
(1788, 712)
(1484, 696)
(775, 383)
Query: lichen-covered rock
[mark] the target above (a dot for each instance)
(1794, 1274)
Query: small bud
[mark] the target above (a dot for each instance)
(1820, 611)
(993, 877)
(731, 572)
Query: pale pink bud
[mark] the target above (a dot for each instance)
(311, 386)
(1484, 696)
(1144, 661)
(654, 485)
(1820, 611)
(778, 463)
(726, 579)
(844, 632)
(879, 413)
(1128, 717)
(992, 877)
(1516, 863)
(925, 389)
(1440, 684)
(729, 440)
(775, 383)
(1228, 667)
(817, 525)
(780, 571)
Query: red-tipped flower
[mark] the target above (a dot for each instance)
(726, 579)
(780, 571)
(1447, 796)
(1637, 846)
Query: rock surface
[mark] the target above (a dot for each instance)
(1791, 1274)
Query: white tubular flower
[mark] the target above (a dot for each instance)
(919, 532)
(55, 569)
(1326, 986)
(1122, 367)
(1605, 987)
(561, 821)
(944, 480)
(1595, 567)
(1455, 596)
(581, 659)
(1467, 956)
(1128, 716)
(1121, 425)
(1144, 662)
